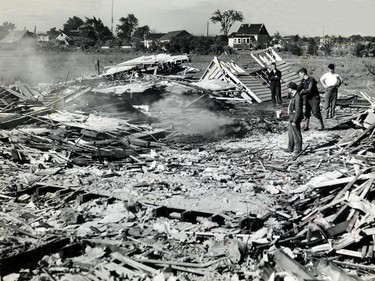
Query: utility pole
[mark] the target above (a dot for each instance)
(207, 27)
(112, 19)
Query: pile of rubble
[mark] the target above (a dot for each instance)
(109, 180)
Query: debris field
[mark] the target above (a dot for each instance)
(145, 172)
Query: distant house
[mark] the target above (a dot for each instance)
(83, 35)
(77, 37)
(174, 34)
(18, 39)
(42, 37)
(63, 38)
(152, 37)
(250, 36)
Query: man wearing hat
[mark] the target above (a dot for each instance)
(311, 99)
(295, 118)
(331, 82)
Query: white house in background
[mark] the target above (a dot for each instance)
(152, 37)
(250, 36)
(42, 37)
(62, 37)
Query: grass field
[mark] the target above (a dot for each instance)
(35, 67)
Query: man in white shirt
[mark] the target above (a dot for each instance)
(331, 82)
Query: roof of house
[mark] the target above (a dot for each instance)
(155, 36)
(16, 35)
(172, 34)
(250, 29)
(76, 34)
(60, 34)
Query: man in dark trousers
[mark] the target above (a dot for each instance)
(295, 118)
(311, 99)
(274, 75)
(331, 81)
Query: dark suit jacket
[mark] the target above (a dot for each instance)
(295, 108)
(272, 76)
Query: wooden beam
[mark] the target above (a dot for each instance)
(334, 272)
(291, 266)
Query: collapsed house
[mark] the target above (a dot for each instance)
(251, 86)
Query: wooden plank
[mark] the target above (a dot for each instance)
(334, 272)
(291, 266)
(70, 96)
(347, 187)
(30, 258)
(355, 254)
(358, 203)
(360, 137)
(133, 263)
(21, 97)
(25, 91)
(340, 181)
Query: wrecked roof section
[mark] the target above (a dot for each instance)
(253, 86)
(153, 64)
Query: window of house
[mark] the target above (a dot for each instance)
(248, 40)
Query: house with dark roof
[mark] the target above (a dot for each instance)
(250, 36)
(18, 38)
(152, 37)
(174, 34)
(76, 37)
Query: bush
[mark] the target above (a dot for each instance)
(295, 49)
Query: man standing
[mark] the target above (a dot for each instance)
(274, 75)
(295, 118)
(311, 99)
(331, 82)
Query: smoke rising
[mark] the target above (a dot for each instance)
(190, 119)
(23, 65)
(32, 65)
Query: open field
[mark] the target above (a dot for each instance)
(35, 67)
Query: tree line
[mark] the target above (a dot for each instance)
(92, 33)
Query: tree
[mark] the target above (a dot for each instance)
(101, 31)
(52, 33)
(277, 36)
(127, 27)
(6, 28)
(312, 47)
(295, 38)
(328, 47)
(295, 49)
(356, 38)
(141, 32)
(226, 19)
(73, 23)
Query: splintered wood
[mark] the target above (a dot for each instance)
(87, 180)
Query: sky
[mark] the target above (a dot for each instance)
(288, 17)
